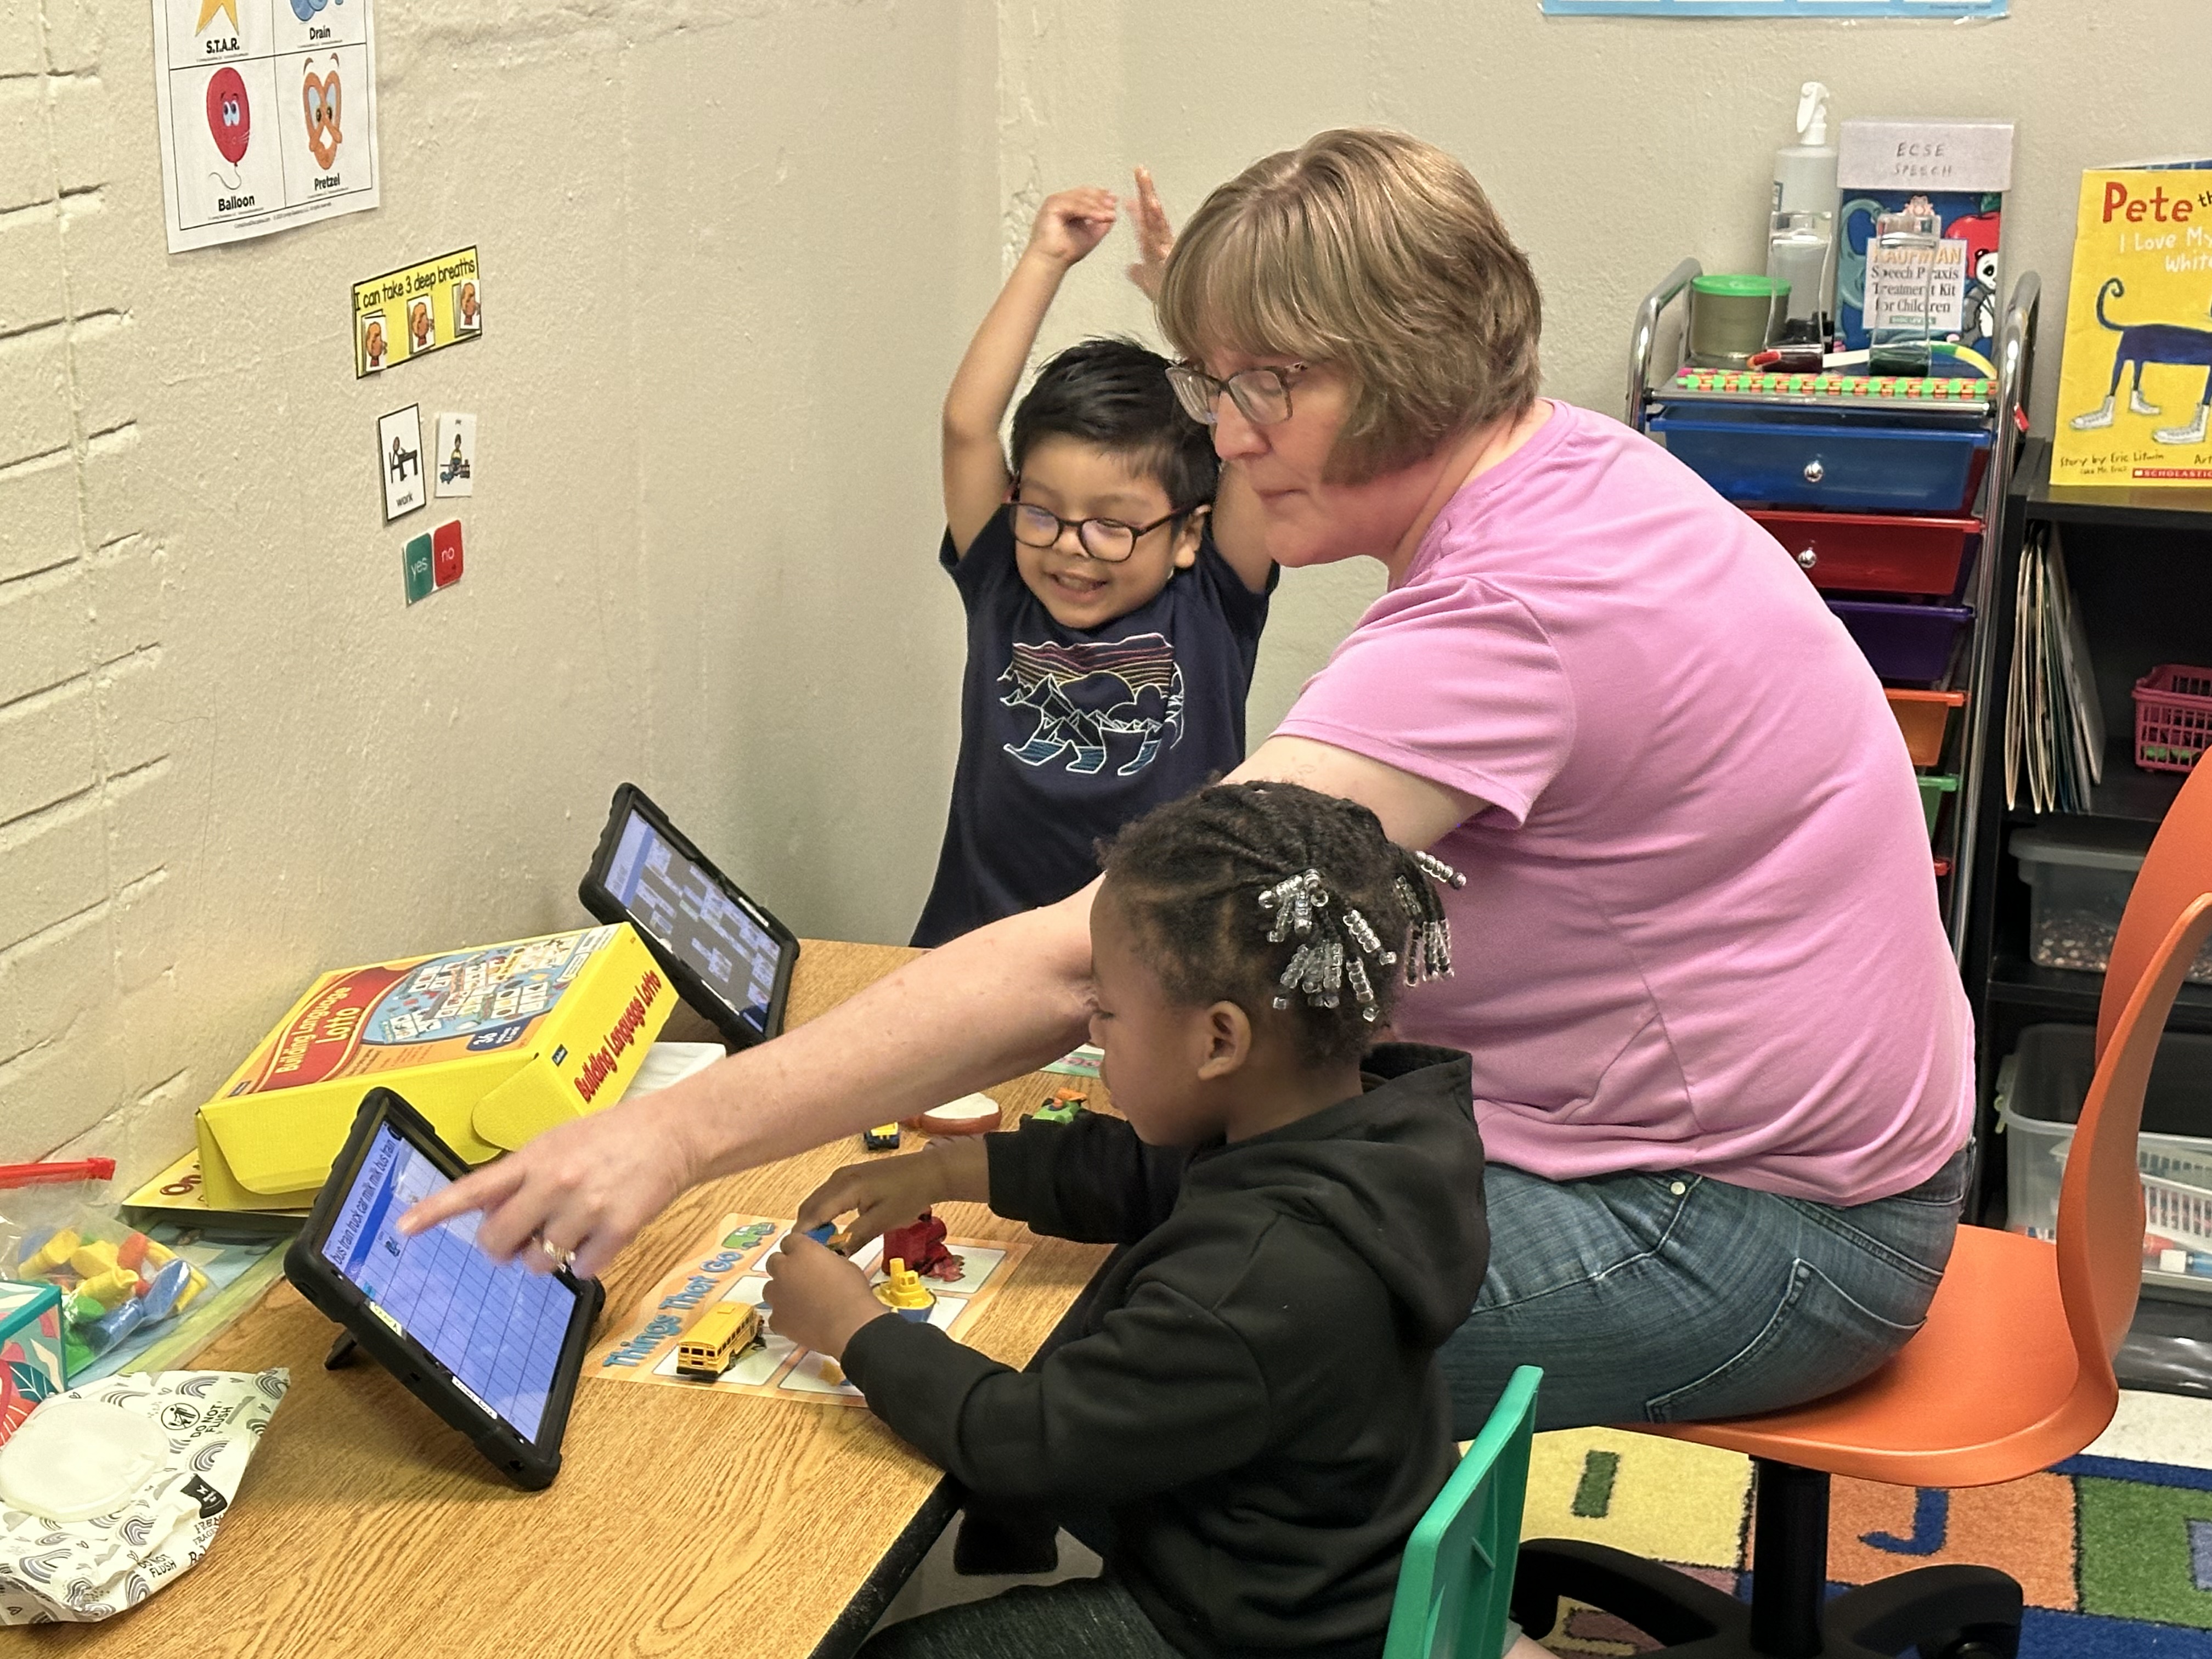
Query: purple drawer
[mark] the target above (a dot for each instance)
(1904, 641)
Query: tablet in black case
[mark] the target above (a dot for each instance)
(495, 1350)
(726, 955)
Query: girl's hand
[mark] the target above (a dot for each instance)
(1155, 237)
(1072, 223)
(892, 1192)
(817, 1298)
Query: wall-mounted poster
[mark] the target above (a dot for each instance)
(267, 114)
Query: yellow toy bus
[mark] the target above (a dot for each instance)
(712, 1346)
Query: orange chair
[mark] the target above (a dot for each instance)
(2011, 1373)
(2174, 874)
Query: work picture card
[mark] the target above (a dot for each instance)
(399, 458)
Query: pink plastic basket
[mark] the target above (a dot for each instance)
(2173, 717)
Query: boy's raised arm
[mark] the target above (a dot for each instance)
(1239, 533)
(1068, 226)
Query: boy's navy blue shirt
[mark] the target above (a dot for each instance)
(1068, 734)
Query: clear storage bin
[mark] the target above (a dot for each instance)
(2040, 1088)
(2078, 877)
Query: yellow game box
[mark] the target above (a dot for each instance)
(492, 1045)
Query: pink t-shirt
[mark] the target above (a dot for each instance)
(1699, 929)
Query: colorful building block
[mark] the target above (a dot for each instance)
(93, 1259)
(49, 1252)
(111, 1288)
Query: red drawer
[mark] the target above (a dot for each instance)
(1874, 553)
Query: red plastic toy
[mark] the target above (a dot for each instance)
(921, 1247)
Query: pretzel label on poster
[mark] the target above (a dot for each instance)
(424, 308)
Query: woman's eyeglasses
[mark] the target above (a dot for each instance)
(1262, 396)
(1106, 539)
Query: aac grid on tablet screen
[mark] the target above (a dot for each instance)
(498, 1329)
(680, 906)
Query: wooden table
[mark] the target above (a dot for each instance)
(737, 1527)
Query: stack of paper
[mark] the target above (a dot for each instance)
(2054, 730)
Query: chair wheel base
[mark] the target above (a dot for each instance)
(1982, 1642)
(1931, 1613)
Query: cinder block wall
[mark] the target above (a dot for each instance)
(91, 824)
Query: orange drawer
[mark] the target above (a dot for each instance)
(1923, 717)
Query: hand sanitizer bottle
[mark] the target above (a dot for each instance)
(1805, 184)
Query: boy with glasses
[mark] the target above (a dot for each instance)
(1114, 608)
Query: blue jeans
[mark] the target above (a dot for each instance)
(1668, 1298)
(1076, 1619)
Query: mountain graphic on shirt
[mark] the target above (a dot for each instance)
(1086, 695)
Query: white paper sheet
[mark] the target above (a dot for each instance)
(267, 112)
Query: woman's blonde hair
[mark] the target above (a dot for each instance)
(1373, 251)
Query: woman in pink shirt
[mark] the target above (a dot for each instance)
(1722, 1062)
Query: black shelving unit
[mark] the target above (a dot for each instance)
(2140, 565)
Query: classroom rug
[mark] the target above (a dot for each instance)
(2115, 1556)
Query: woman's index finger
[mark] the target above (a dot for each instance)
(478, 1190)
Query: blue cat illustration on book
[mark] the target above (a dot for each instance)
(2142, 344)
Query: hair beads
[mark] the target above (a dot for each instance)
(1428, 951)
(1363, 935)
(1321, 966)
(1437, 870)
(1362, 987)
(1292, 902)
(1324, 874)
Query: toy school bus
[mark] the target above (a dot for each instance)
(711, 1346)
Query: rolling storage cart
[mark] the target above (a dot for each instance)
(1886, 492)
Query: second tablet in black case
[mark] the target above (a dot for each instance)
(725, 954)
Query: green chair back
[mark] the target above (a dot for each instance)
(1457, 1575)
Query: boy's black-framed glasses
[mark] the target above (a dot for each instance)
(1262, 396)
(1108, 540)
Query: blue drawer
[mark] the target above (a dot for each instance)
(1831, 464)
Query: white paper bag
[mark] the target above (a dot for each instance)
(78, 1572)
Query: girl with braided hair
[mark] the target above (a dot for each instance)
(1299, 1236)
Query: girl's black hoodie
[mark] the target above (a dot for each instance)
(1255, 1396)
